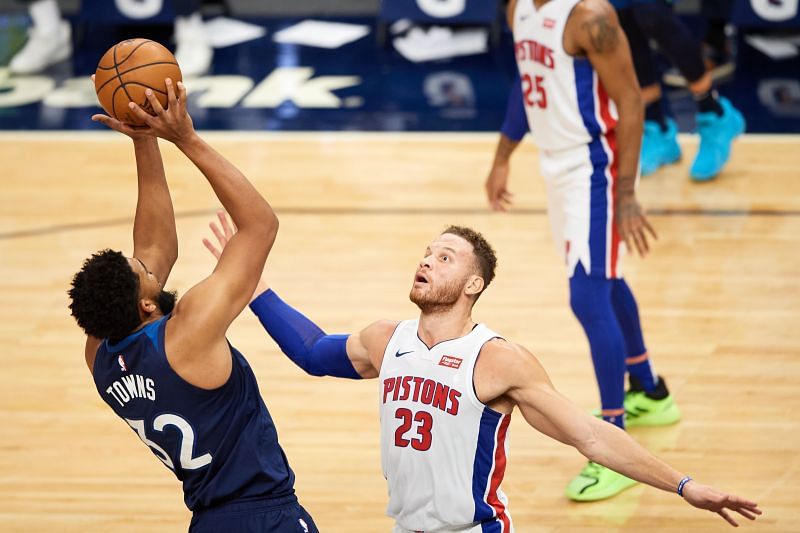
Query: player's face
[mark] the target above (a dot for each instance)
(442, 273)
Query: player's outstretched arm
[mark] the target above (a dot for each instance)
(305, 343)
(519, 376)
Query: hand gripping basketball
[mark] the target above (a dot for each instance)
(173, 123)
(127, 70)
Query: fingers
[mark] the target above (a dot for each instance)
(218, 234)
(211, 248)
(141, 114)
(724, 514)
(92, 78)
(172, 100)
(154, 103)
(641, 242)
(182, 92)
(649, 228)
(747, 514)
(226, 227)
(103, 119)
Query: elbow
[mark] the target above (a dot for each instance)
(272, 225)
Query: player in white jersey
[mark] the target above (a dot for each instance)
(584, 110)
(447, 387)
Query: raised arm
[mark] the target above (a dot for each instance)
(155, 240)
(306, 344)
(201, 318)
(514, 373)
(593, 30)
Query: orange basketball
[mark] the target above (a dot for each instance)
(127, 70)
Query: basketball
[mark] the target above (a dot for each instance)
(129, 68)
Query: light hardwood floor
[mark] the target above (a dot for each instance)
(719, 298)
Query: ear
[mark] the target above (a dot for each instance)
(474, 285)
(147, 306)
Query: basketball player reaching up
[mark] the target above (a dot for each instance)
(166, 368)
(447, 389)
(584, 107)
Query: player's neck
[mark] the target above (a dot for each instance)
(442, 326)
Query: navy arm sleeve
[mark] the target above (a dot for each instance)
(515, 124)
(303, 341)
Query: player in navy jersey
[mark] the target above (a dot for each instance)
(166, 368)
(447, 390)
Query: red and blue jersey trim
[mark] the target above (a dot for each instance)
(603, 235)
(488, 471)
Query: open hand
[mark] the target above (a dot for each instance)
(173, 124)
(497, 188)
(632, 225)
(134, 132)
(223, 232)
(704, 497)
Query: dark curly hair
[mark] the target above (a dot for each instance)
(484, 253)
(104, 296)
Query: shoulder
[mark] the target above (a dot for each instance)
(512, 6)
(589, 10)
(500, 347)
(593, 26)
(504, 357)
(379, 332)
(90, 351)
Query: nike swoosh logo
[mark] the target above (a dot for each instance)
(400, 354)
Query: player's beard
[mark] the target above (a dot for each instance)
(437, 300)
(166, 301)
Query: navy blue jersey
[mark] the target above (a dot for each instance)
(221, 443)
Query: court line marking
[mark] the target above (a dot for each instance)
(386, 211)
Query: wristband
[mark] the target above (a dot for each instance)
(682, 483)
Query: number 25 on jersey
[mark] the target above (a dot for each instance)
(533, 91)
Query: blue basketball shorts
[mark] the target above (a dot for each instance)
(281, 515)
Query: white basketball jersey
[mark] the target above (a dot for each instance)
(565, 102)
(443, 452)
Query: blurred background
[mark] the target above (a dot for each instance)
(396, 65)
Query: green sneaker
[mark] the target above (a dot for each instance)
(596, 482)
(654, 409)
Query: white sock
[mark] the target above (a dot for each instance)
(46, 15)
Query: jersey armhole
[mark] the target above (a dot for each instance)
(161, 347)
(473, 393)
(389, 343)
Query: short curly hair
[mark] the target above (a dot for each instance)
(104, 296)
(484, 253)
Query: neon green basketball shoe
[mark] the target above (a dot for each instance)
(596, 482)
(656, 408)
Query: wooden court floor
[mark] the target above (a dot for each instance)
(719, 297)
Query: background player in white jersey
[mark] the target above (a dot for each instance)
(447, 389)
(584, 109)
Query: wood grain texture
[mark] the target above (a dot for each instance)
(719, 299)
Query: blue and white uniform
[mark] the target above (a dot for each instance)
(572, 121)
(443, 451)
(221, 443)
